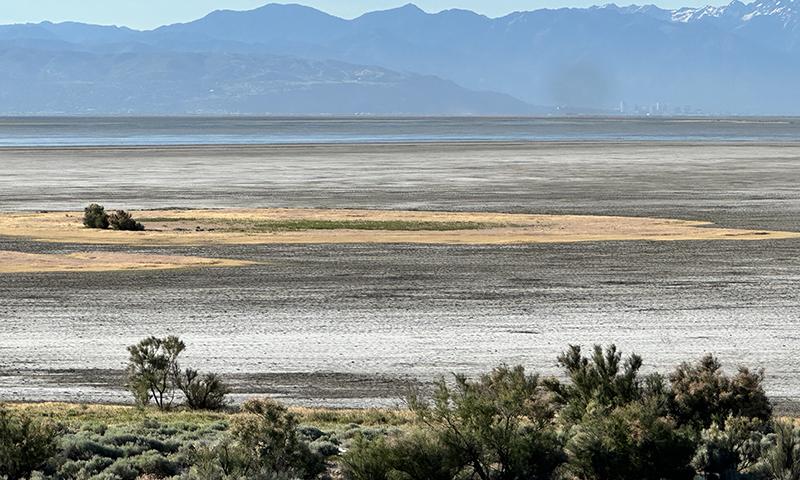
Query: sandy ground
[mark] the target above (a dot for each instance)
(345, 324)
(199, 227)
(18, 262)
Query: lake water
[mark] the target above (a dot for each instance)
(84, 131)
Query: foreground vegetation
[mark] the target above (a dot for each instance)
(604, 420)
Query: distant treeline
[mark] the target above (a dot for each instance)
(606, 421)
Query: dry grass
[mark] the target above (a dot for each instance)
(112, 415)
(17, 262)
(317, 226)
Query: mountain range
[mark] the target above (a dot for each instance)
(290, 59)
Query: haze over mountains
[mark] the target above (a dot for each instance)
(290, 59)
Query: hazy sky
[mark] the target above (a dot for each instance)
(152, 13)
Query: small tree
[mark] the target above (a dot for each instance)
(152, 370)
(122, 220)
(95, 216)
(202, 392)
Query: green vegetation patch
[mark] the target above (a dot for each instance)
(291, 225)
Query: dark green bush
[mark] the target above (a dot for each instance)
(95, 216)
(203, 393)
(122, 220)
(631, 442)
(422, 456)
(25, 444)
(311, 433)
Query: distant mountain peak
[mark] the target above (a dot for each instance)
(409, 10)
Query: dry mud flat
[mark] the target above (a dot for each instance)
(738, 185)
(369, 316)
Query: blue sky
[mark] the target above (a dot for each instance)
(152, 13)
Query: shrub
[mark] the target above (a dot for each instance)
(205, 465)
(368, 460)
(488, 424)
(405, 457)
(203, 393)
(781, 461)
(732, 452)
(154, 463)
(631, 442)
(79, 448)
(152, 368)
(95, 216)
(324, 448)
(25, 444)
(311, 433)
(602, 380)
(269, 442)
(83, 468)
(703, 394)
(122, 469)
(122, 220)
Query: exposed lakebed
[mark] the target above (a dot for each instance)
(353, 324)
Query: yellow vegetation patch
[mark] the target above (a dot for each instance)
(273, 226)
(17, 262)
(77, 414)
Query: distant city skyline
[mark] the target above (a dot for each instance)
(147, 14)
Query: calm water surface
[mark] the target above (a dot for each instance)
(83, 131)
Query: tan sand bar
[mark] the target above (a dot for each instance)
(17, 262)
(319, 226)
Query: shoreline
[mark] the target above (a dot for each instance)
(501, 144)
(351, 394)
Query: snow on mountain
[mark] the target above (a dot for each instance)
(787, 11)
